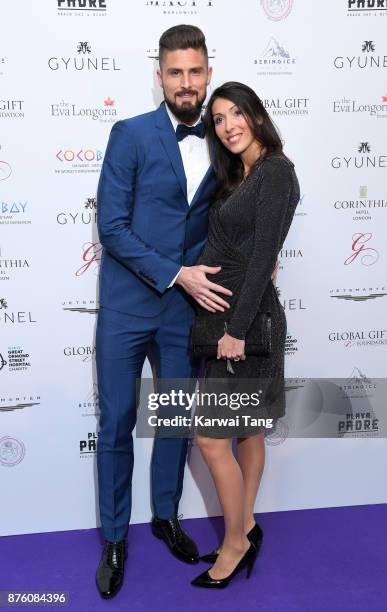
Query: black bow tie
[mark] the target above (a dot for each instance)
(183, 130)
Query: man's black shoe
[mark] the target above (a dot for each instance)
(180, 545)
(110, 573)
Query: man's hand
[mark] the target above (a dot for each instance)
(194, 281)
(231, 348)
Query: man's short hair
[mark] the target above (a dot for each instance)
(182, 37)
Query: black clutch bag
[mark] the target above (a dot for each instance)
(208, 330)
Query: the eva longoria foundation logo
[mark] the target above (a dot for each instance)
(105, 112)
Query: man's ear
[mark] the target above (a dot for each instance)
(209, 75)
(159, 77)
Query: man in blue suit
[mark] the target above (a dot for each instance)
(153, 199)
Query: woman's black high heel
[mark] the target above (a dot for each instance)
(255, 536)
(247, 561)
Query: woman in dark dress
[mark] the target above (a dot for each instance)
(257, 196)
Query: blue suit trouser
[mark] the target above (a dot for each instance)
(123, 342)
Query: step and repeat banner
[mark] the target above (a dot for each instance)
(68, 70)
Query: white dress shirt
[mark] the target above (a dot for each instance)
(196, 161)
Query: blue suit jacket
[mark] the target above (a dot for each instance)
(145, 224)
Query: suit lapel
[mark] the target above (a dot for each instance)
(169, 141)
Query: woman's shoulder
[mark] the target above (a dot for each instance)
(278, 160)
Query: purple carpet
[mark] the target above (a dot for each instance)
(311, 560)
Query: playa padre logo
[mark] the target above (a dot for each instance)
(81, 8)
(348, 106)
(88, 446)
(368, 60)
(180, 7)
(83, 61)
(12, 451)
(358, 294)
(105, 113)
(275, 59)
(87, 216)
(364, 159)
(277, 9)
(366, 8)
(363, 421)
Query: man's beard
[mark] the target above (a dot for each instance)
(187, 113)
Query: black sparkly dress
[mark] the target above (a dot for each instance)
(246, 233)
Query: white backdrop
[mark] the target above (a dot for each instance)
(67, 73)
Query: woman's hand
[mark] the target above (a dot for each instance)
(231, 348)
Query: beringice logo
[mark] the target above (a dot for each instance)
(12, 451)
(275, 59)
(277, 9)
(361, 251)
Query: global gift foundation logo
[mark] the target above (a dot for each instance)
(277, 9)
(359, 338)
(11, 109)
(287, 107)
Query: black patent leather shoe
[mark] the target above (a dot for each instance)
(180, 545)
(247, 562)
(255, 536)
(110, 572)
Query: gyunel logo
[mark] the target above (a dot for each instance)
(364, 160)
(368, 59)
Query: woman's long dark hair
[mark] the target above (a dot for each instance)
(228, 167)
